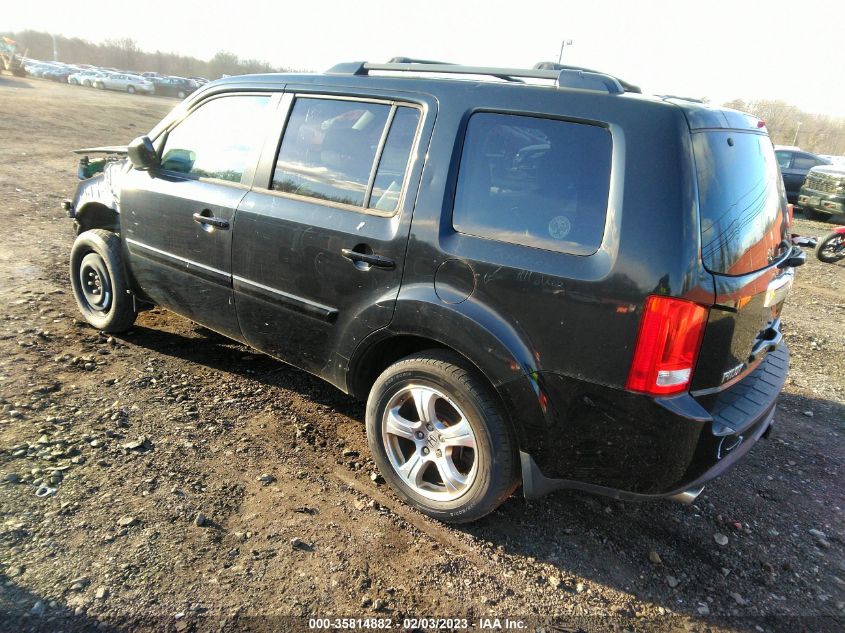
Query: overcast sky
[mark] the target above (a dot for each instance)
(716, 49)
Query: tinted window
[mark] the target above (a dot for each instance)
(802, 161)
(329, 148)
(741, 200)
(784, 159)
(220, 139)
(536, 182)
(394, 160)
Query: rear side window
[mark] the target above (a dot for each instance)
(741, 200)
(343, 151)
(784, 159)
(533, 181)
(394, 160)
(220, 139)
(804, 162)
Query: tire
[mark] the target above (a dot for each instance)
(181, 94)
(100, 85)
(130, 89)
(478, 454)
(99, 281)
(830, 244)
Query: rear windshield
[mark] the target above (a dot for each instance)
(742, 201)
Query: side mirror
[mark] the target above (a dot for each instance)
(142, 153)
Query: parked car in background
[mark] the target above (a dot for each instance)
(80, 78)
(174, 86)
(128, 83)
(794, 164)
(39, 69)
(823, 192)
(59, 74)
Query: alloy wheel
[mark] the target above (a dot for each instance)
(430, 443)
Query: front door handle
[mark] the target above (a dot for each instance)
(210, 220)
(379, 261)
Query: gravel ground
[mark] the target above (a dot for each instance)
(190, 483)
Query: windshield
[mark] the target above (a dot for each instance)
(742, 201)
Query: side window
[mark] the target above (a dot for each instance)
(784, 159)
(330, 148)
(802, 161)
(533, 181)
(220, 139)
(394, 160)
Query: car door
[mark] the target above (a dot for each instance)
(320, 240)
(177, 220)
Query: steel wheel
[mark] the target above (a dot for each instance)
(430, 443)
(98, 282)
(95, 282)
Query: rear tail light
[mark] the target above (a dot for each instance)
(790, 212)
(667, 346)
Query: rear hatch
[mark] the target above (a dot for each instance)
(744, 224)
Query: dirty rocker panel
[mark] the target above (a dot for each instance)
(284, 299)
(208, 273)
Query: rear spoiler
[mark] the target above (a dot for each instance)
(88, 168)
(106, 149)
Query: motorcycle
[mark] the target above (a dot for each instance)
(831, 248)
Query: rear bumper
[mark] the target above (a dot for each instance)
(632, 447)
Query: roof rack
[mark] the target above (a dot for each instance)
(412, 60)
(566, 77)
(692, 99)
(629, 87)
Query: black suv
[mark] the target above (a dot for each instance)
(533, 276)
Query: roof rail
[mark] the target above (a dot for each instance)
(629, 87)
(412, 60)
(692, 99)
(567, 77)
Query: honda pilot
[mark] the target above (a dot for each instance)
(534, 277)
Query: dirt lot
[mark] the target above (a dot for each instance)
(139, 434)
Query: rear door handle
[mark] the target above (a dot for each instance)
(769, 341)
(379, 261)
(211, 220)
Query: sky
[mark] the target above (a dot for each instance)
(717, 49)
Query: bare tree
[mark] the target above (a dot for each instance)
(786, 123)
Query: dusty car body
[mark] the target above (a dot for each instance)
(610, 324)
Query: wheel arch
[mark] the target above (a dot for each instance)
(510, 372)
(96, 215)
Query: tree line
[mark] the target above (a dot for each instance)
(125, 54)
(789, 125)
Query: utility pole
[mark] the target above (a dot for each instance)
(563, 44)
(55, 49)
(795, 138)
